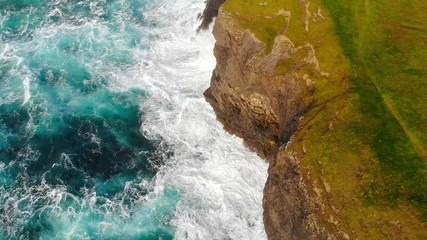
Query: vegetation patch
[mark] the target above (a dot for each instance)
(263, 20)
(390, 101)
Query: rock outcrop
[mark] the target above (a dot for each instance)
(249, 98)
(210, 12)
(264, 108)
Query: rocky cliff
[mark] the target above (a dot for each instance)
(248, 96)
(288, 84)
(264, 108)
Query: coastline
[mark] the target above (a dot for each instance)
(294, 104)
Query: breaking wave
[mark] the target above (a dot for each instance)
(104, 130)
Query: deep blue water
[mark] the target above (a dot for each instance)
(98, 134)
(61, 127)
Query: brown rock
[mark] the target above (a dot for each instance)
(264, 107)
(249, 98)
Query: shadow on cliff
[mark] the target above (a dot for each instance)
(210, 12)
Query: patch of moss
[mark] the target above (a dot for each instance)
(283, 66)
(286, 66)
(263, 21)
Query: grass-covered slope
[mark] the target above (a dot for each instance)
(363, 144)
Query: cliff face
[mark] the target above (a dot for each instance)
(249, 98)
(264, 108)
(303, 85)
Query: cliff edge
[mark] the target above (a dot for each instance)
(331, 95)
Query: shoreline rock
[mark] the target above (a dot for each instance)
(210, 12)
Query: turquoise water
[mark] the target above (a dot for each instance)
(63, 132)
(104, 132)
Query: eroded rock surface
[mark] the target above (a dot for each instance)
(210, 12)
(249, 98)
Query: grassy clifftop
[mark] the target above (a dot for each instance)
(363, 144)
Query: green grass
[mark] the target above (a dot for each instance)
(262, 20)
(393, 115)
(373, 156)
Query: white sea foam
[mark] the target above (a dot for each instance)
(221, 179)
(26, 84)
(218, 180)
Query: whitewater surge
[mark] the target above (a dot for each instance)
(183, 178)
(221, 180)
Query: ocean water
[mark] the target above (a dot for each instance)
(104, 130)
